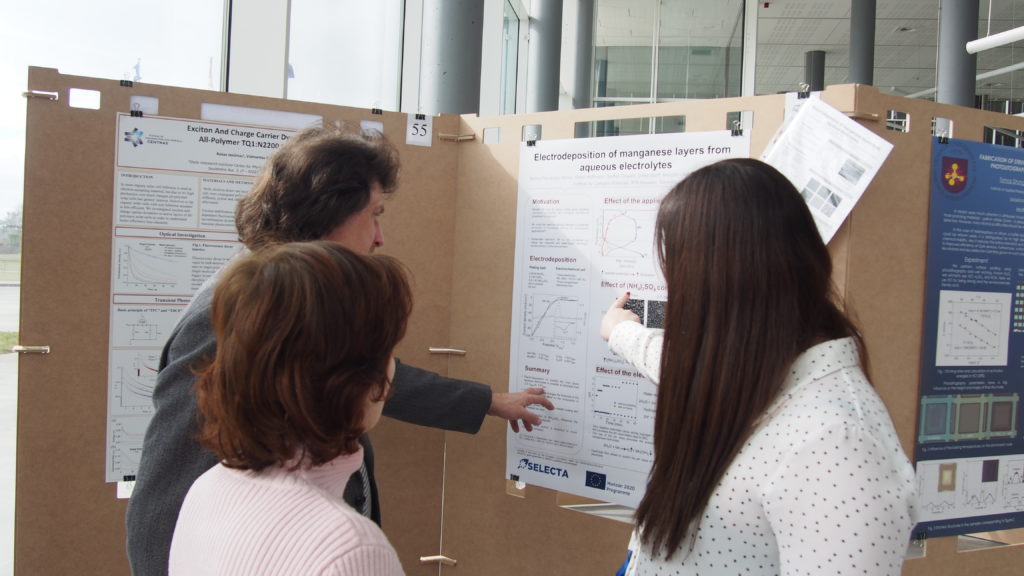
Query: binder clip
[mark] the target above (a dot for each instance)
(804, 92)
(943, 138)
(421, 116)
(127, 83)
(376, 111)
(136, 111)
(128, 478)
(737, 128)
(531, 142)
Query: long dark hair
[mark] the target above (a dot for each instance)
(749, 289)
(305, 333)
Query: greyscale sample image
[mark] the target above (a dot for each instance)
(651, 312)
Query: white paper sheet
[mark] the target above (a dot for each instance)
(830, 158)
(176, 183)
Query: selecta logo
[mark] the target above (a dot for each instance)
(525, 464)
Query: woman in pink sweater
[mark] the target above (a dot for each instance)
(305, 333)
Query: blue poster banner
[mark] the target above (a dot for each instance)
(970, 453)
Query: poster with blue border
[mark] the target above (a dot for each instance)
(970, 454)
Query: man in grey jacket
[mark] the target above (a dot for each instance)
(323, 184)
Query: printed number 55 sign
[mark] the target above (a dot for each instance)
(418, 130)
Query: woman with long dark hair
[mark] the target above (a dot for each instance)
(773, 454)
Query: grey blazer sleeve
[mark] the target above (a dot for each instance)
(429, 399)
(171, 458)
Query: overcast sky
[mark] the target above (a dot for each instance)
(174, 43)
(179, 44)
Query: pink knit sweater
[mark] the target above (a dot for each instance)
(278, 522)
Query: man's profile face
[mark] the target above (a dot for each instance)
(362, 232)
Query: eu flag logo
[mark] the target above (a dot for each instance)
(595, 480)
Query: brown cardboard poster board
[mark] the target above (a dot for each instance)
(453, 223)
(67, 520)
(879, 258)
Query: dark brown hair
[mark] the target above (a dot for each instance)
(749, 289)
(304, 334)
(312, 184)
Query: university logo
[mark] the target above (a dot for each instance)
(954, 174)
(134, 136)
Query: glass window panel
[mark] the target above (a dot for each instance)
(509, 61)
(700, 49)
(623, 54)
(669, 124)
(171, 43)
(615, 127)
(1002, 92)
(629, 126)
(624, 72)
(346, 52)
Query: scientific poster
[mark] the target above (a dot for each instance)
(830, 159)
(970, 455)
(584, 236)
(176, 184)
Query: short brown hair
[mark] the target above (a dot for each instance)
(304, 332)
(315, 182)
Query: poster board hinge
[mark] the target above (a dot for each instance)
(40, 94)
(861, 115)
(456, 137)
(30, 349)
(447, 351)
(439, 559)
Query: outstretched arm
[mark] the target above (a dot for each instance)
(616, 315)
(429, 399)
(631, 340)
(512, 407)
(426, 398)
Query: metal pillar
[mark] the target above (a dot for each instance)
(584, 57)
(450, 58)
(862, 41)
(584, 54)
(544, 55)
(814, 69)
(747, 81)
(956, 69)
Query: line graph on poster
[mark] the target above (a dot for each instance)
(615, 399)
(133, 378)
(973, 328)
(150, 266)
(553, 319)
(124, 450)
(626, 233)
